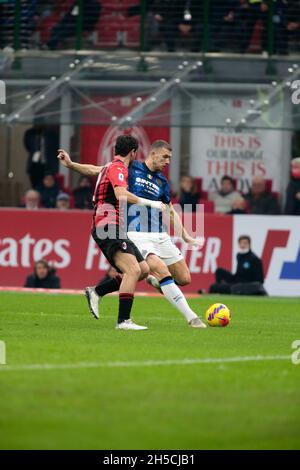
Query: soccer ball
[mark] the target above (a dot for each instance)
(218, 315)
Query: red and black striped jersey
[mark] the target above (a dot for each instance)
(106, 205)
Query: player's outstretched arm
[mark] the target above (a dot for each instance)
(122, 193)
(83, 169)
(181, 231)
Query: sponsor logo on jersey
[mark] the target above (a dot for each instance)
(143, 182)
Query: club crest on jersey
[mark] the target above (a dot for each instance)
(121, 177)
(150, 177)
(124, 246)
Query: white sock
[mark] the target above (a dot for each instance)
(174, 295)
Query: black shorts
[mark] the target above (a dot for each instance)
(109, 248)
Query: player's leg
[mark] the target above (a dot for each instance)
(131, 270)
(174, 259)
(180, 272)
(107, 286)
(109, 248)
(171, 291)
(94, 294)
(144, 270)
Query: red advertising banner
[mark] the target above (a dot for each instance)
(63, 238)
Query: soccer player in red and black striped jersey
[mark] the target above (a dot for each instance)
(108, 232)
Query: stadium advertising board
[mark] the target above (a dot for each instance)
(277, 241)
(97, 141)
(219, 152)
(243, 152)
(63, 238)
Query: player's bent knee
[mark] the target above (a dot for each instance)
(137, 271)
(184, 280)
(144, 270)
(161, 274)
(133, 270)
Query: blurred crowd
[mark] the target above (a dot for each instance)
(50, 194)
(233, 25)
(260, 199)
(48, 189)
(47, 185)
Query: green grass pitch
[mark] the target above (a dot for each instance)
(117, 397)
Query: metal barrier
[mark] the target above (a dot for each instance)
(253, 26)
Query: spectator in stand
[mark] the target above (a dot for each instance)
(261, 201)
(41, 142)
(177, 18)
(249, 276)
(43, 276)
(293, 24)
(187, 193)
(258, 10)
(66, 27)
(2, 26)
(83, 194)
(49, 191)
(225, 198)
(292, 205)
(63, 202)
(225, 25)
(32, 199)
(36, 162)
(28, 19)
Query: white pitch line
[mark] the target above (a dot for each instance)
(152, 363)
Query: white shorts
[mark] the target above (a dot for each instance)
(159, 244)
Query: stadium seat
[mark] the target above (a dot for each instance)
(256, 39)
(108, 34)
(175, 200)
(204, 195)
(60, 180)
(269, 185)
(46, 23)
(209, 206)
(132, 33)
(198, 183)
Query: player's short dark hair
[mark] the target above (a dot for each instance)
(244, 237)
(125, 144)
(227, 178)
(161, 144)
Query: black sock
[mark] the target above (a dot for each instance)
(108, 285)
(125, 305)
